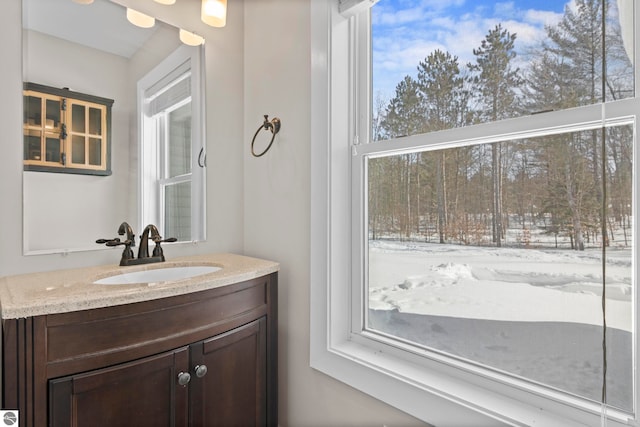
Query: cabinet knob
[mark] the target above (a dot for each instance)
(201, 370)
(184, 378)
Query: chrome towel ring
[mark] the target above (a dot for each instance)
(273, 126)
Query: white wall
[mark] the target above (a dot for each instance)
(277, 210)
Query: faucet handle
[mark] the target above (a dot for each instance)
(157, 251)
(117, 242)
(127, 253)
(107, 241)
(159, 240)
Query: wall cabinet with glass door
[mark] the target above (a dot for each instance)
(66, 131)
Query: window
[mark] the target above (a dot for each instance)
(172, 151)
(489, 212)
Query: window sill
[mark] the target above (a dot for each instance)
(442, 394)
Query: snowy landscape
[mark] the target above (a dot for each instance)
(486, 244)
(535, 313)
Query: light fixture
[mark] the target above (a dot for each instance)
(140, 19)
(191, 39)
(214, 12)
(83, 1)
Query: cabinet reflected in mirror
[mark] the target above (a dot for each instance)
(66, 131)
(93, 49)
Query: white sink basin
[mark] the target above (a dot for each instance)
(166, 274)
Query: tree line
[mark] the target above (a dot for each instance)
(575, 184)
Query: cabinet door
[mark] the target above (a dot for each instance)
(140, 393)
(87, 135)
(43, 129)
(232, 392)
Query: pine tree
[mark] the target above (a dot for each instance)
(549, 85)
(497, 82)
(577, 41)
(442, 88)
(443, 92)
(595, 69)
(496, 79)
(405, 113)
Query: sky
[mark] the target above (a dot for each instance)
(405, 32)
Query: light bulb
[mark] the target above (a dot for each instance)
(140, 19)
(214, 12)
(83, 1)
(165, 1)
(191, 39)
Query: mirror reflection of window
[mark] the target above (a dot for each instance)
(171, 150)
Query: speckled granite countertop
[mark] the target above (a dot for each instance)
(63, 291)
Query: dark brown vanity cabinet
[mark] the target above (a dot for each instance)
(202, 359)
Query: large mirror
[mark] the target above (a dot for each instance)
(156, 154)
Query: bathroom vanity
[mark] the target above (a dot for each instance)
(200, 351)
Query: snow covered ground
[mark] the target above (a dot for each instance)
(534, 313)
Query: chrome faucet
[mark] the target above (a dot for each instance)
(150, 232)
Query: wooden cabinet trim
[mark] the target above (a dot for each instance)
(120, 332)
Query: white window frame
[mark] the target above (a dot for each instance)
(432, 389)
(152, 177)
(163, 180)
